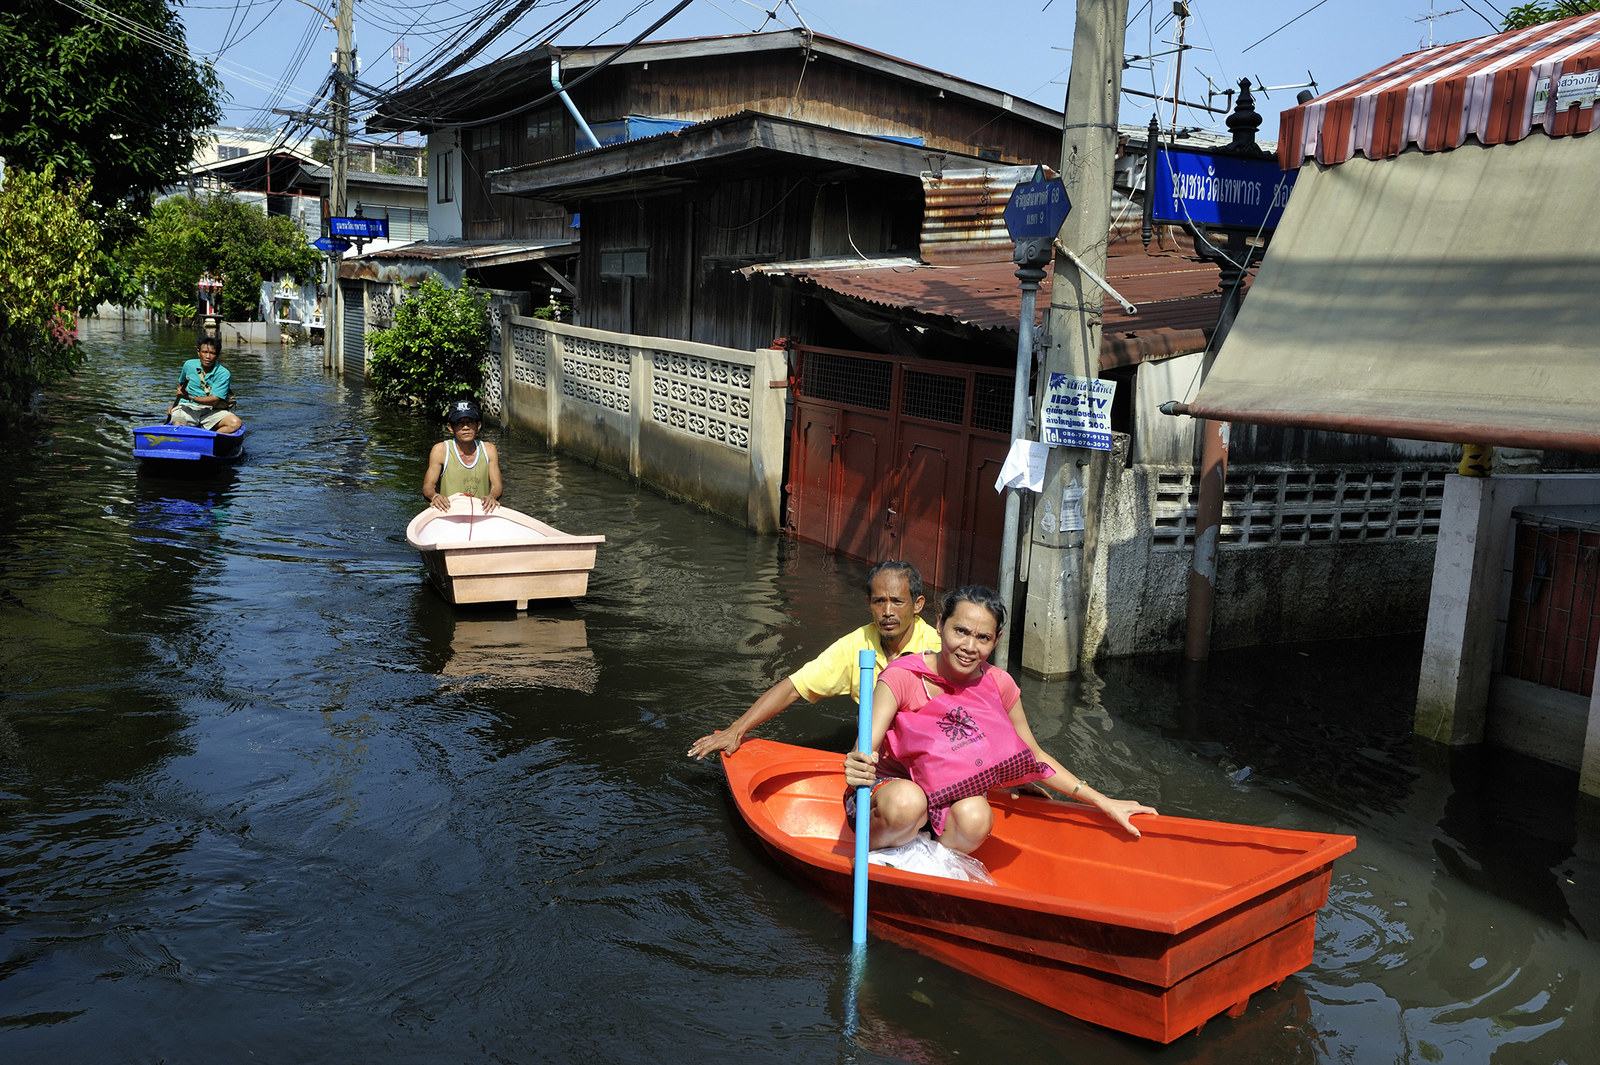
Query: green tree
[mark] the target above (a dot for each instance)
(104, 93)
(1525, 15)
(47, 256)
(222, 236)
(435, 349)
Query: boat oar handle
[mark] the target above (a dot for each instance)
(858, 930)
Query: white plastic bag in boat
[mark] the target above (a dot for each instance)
(924, 854)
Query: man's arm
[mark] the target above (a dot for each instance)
(430, 480)
(492, 454)
(777, 698)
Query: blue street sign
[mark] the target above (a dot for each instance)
(330, 245)
(360, 228)
(1225, 191)
(1037, 208)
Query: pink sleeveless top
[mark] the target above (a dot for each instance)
(960, 742)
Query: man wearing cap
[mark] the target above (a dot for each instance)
(463, 463)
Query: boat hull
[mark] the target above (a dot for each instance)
(187, 443)
(504, 557)
(1151, 936)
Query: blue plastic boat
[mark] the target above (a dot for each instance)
(185, 443)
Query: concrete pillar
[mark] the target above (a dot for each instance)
(1463, 610)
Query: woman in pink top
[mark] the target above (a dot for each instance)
(954, 727)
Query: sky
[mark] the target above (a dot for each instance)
(276, 53)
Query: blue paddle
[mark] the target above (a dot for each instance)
(858, 928)
(858, 931)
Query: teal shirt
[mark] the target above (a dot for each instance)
(195, 386)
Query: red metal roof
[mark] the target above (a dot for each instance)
(1493, 90)
(1178, 296)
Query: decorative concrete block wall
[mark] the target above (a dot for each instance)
(693, 421)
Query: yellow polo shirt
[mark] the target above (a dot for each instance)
(838, 670)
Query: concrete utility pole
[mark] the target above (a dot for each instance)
(333, 322)
(1066, 514)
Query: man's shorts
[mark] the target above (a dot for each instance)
(197, 414)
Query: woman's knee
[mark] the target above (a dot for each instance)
(971, 819)
(900, 803)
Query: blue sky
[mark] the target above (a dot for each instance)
(275, 53)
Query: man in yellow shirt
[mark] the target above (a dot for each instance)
(894, 596)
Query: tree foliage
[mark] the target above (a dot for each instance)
(1525, 15)
(222, 236)
(47, 257)
(435, 349)
(102, 104)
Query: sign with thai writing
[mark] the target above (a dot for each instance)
(360, 228)
(1572, 90)
(1218, 190)
(1037, 208)
(1077, 412)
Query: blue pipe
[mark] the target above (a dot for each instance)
(858, 930)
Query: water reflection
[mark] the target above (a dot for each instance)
(168, 508)
(521, 652)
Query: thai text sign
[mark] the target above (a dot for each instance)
(1229, 191)
(361, 228)
(1037, 208)
(1077, 412)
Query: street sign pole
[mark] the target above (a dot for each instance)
(1033, 217)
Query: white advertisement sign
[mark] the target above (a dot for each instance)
(1077, 412)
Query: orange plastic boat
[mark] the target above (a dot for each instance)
(1151, 936)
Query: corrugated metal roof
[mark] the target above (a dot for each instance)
(474, 252)
(1178, 297)
(1494, 90)
(963, 213)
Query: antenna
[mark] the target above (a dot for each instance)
(1309, 83)
(1430, 16)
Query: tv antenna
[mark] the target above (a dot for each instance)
(1430, 16)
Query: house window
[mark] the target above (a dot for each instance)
(444, 191)
(544, 138)
(630, 263)
(231, 151)
(486, 137)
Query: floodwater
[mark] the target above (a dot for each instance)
(264, 796)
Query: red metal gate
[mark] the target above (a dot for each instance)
(897, 458)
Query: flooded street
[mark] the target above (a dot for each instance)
(265, 796)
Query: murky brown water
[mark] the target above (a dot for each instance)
(264, 796)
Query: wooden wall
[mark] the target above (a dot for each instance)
(696, 241)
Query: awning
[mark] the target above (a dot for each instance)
(1490, 90)
(1447, 296)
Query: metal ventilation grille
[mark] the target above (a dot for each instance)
(845, 379)
(936, 397)
(991, 402)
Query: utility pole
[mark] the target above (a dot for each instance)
(1066, 514)
(344, 64)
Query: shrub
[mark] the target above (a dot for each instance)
(47, 256)
(435, 349)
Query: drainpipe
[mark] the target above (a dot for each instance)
(572, 108)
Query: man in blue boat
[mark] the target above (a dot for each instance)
(203, 400)
(463, 463)
(894, 596)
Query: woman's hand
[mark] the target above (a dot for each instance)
(1122, 811)
(861, 770)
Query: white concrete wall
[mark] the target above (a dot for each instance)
(444, 219)
(693, 421)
